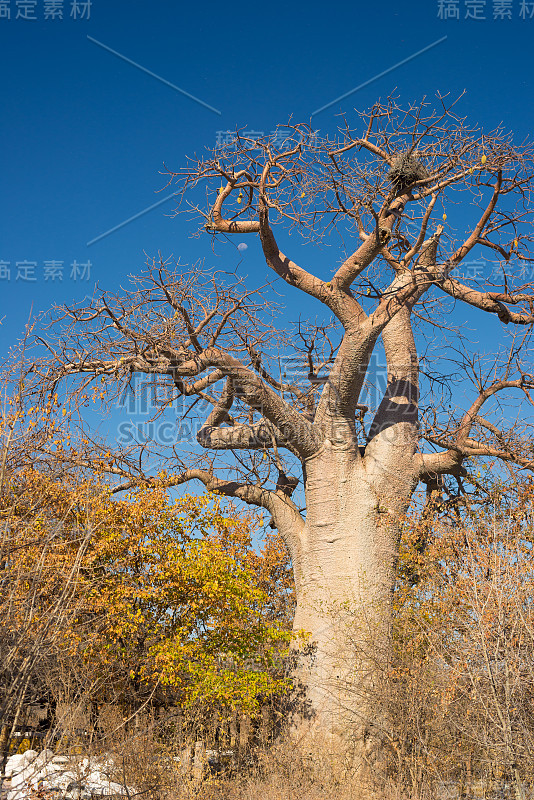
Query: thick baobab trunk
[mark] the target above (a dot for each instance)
(345, 578)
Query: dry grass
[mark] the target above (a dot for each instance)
(306, 770)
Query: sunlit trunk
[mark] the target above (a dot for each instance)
(347, 569)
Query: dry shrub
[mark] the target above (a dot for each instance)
(460, 687)
(306, 771)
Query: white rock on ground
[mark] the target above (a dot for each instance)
(70, 778)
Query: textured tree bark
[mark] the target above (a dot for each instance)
(347, 563)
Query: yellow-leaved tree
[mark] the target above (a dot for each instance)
(143, 602)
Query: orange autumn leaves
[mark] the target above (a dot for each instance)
(165, 595)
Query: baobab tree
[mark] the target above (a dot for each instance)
(334, 475)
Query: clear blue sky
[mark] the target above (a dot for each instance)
(85, 133)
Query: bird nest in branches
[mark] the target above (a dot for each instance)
(405, 170)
